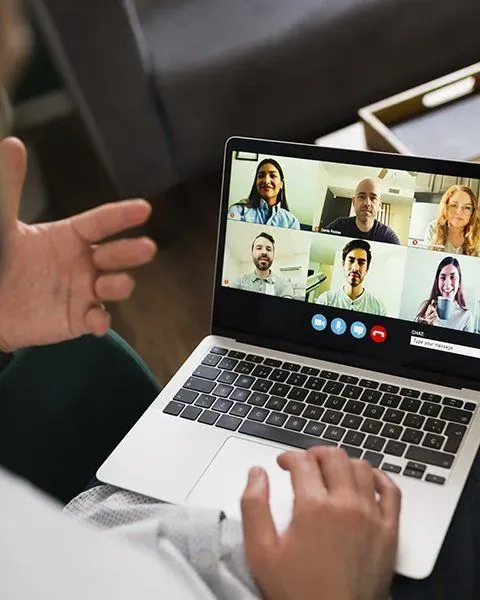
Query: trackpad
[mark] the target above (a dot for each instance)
(223, 483)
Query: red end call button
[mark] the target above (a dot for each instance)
(378, 334)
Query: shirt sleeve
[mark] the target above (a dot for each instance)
(391, 237)
(323, 299)
(469, 322)
(286, 289)
(429, 233)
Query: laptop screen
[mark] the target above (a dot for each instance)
(362, 255)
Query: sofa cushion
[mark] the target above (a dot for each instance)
(271, 68)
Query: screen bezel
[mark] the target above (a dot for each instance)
(224, 317)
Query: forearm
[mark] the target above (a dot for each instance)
(210, 545)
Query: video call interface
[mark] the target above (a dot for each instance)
(394, 244)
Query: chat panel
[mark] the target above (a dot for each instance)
(441, 290)
(277, 191)
(356, 274)
(445, 215)
(365, 202)
(267, 260)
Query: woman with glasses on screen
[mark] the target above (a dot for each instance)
(267, 202)
(446, 306)
(457, 227)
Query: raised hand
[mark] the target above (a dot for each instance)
(341, 542)
(55, 277)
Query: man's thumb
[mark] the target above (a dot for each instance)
(13, 168)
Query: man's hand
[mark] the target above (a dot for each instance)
(55, 278)
(342, 540)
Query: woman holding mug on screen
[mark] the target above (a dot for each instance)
(457, 227)
(446, 306)
(267, 202)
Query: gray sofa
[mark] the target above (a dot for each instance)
(161, 84)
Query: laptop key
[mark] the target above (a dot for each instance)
(261, 371)
(374, 458)
(412, 420)
(391, 468)
(211, 360)
(219, 350)
(410, 393)
(430, 457)
(333, 387)
(280, 389)
(435, 479)
(254, 358)
(391, 400)
(395, 448)
(352, 391)
(313, 412)
(310, 370)
(245, 381)
(272, 362)
(329, 375)
(228, 364)
(294, 408)
(430, 410)
(277, 419)
(456, 415)
(392, 431)
(295, 423)
(374, 442)
(454, 433)
(431, 397)
(297, 393)
(349, 379)
(371, 396)
(186, 396)
(262, 385)
(282, 435)
(207, 372)
(332, 417)
(239, 410)
(373, 411)
(368, 383)
(258, 399)
(433, 441)
(279, 375)
(317, 398)
(228, 422)
(412, 473)
(416, 466)
(227, 377)
(434, 425)
(389, 388)
(470, 406)
(223, 390)
(205, 401)
(191, 413)
(244, 367)
(208, 417)
(174, 408)
(455, 402)
(222, 405)
(199, 385)
(352, 451)
(351, 421)
(315, 383)
(296, 379)
(410, 405)
(354, 438)
(240, 395)
(354, 406)
(289, 366)
(236, 354)
(393, 416)
(334, 433)
(336, 402)
(276, 403)
(258, 414)
(371, 426)
(314, 428)
(412, 436)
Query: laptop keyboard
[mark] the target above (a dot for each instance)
(304, 406)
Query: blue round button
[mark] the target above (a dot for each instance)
(338, 326)
(319, 322)
(358, 330)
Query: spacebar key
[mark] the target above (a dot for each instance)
(282, 436)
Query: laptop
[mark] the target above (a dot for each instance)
(324, 333)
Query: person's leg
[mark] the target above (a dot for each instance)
(456, 573)
(64, 408)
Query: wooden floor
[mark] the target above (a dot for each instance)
(169, 312)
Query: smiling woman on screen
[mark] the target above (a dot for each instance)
(267, 202)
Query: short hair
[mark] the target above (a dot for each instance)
(266, 236)
(353, 245)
